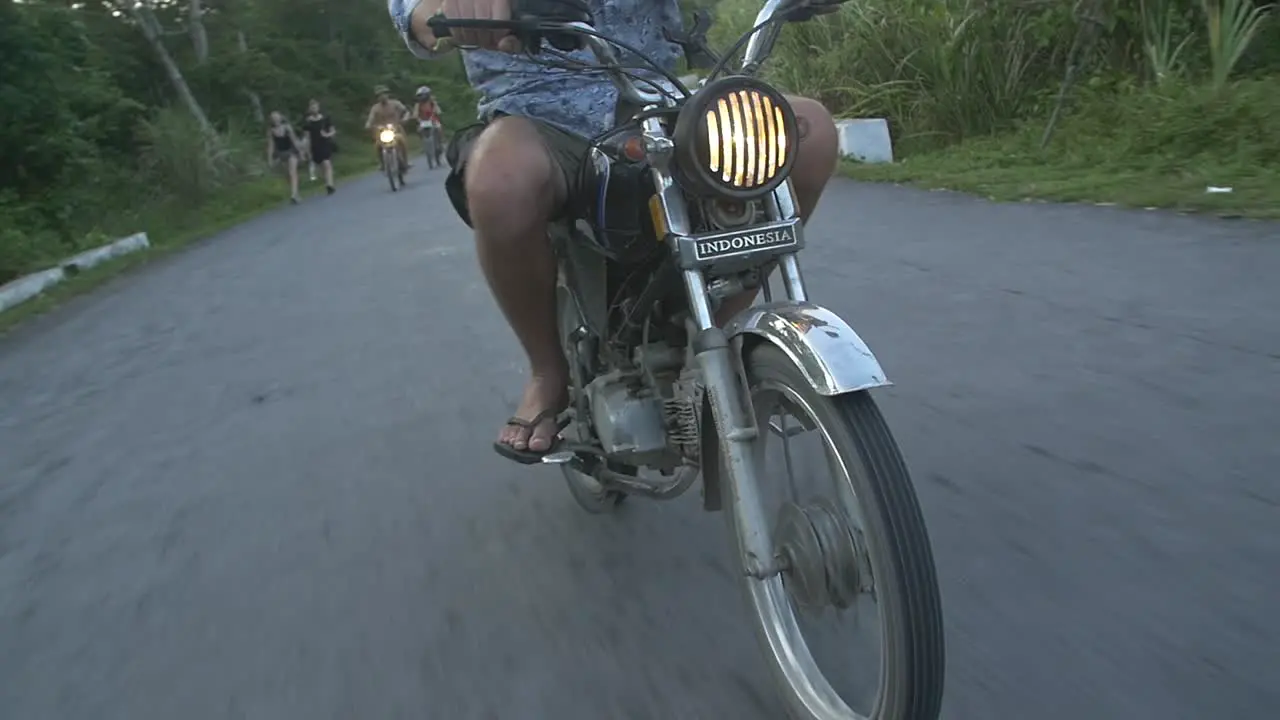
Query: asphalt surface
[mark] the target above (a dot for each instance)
(254, 480)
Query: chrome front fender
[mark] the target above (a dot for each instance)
(828, 352)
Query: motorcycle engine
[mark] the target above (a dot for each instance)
(628, 419)
(631, 415)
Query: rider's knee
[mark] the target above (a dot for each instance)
(510, 175)
(819, 141)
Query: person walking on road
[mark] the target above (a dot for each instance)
(320, 131)
(283, 144)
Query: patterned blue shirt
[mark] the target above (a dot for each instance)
(577, 101)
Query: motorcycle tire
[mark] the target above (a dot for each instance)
(391, 163)
(892, 544)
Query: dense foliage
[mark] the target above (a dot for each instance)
(104, 103)
(943, 71)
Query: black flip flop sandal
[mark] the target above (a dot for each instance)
(531, 457)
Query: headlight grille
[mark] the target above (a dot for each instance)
(746, 139)
(733, 139)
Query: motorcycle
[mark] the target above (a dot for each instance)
(687, 202)
(391, 163)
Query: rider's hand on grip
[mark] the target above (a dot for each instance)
(486, 38)
(522, 16)
(566, 11)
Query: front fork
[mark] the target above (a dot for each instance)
(719, 362)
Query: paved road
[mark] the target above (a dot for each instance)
(254, 480)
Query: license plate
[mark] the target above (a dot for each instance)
(748, 241)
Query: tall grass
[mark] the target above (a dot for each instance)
(1231, 26)
(179, 159)
(1160, 30)
(944, 71)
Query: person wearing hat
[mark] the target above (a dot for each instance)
(388, 111)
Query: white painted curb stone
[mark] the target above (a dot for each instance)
(865, 139)
(24, 288)
(89, 258)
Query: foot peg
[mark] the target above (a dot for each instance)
(560, 457)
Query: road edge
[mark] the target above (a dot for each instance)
(16, 292)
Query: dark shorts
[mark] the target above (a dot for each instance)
(285, 154)
(321, 151)
(567, 151)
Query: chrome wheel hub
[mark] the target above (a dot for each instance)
(824, 560)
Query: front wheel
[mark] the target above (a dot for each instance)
(429, 149)
(391, 161)
(854, 551)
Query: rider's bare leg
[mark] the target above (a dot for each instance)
(816, 157)
(512, 188)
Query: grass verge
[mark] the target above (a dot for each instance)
(171, 226)
(1145, 149)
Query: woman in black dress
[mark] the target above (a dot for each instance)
(283, 144)
(320, 132)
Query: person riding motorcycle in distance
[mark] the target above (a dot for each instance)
(428, 113)
(517, 169)
(427, 110)
(388, 111)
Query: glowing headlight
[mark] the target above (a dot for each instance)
(735, 138)
(387, 136)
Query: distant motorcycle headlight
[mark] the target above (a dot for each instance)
(735, 138)
(387, 136)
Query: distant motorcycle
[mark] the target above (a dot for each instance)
(391, 156)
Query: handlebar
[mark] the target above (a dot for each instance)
(566, 25)
(531, 21)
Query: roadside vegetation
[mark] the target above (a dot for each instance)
(1145, 102)
(150, 116)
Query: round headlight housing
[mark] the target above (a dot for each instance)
(387, 136)
(735, 138)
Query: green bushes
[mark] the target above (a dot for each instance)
(98, 142)
(1138, 146)
(189, 164)
(940, 71)
(1166, 98)
(943, 71)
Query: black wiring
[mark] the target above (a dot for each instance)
(675, 81)
(631, 73)
(733, 50)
